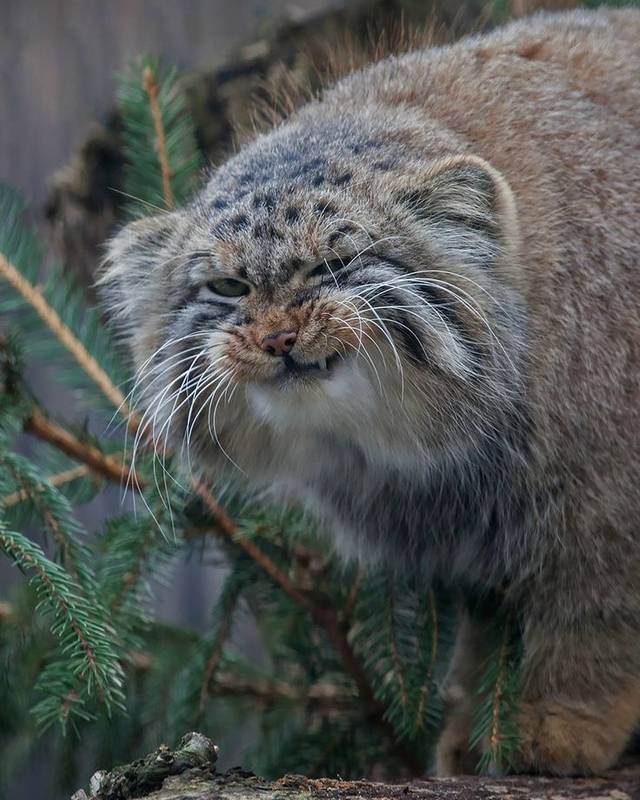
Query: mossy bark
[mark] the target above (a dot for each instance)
(189, 773)
(237, 785)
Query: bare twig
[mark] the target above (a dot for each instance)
(107, 466)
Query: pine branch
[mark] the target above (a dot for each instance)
(33, 296)
(54, 511)
(498, 695)
(57, 307)
(153, 90)
(398, 670)
(495, 734)
(228, 528)
(85, 640)
(162, 155)
(428, 680)
(226, 609)
(142, 544)
(104, 465)
(57, 480)
(323, 614)
(327, 696)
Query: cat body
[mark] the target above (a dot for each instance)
(414, 307)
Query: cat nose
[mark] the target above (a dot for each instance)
(279, 344)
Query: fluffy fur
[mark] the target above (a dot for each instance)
(457, 232)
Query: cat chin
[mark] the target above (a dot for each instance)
(327, 403)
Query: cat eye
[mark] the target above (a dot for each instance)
(228, 287)
(329, 267)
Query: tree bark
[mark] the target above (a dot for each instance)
(189, 773)
(236, 785)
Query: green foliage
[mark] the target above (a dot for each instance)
(67, 303)
(143, 177)
(495, 730)
(88, 663)
(401, 634)
(350, 665)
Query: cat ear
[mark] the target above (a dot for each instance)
(130, 268)
(468, 207)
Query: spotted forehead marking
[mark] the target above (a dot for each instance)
(262, 208)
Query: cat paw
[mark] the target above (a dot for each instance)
(563, 740)
(453, 755)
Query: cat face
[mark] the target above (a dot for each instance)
(312, 287)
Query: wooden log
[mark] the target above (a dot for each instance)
(189, 773)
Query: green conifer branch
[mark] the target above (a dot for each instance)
(428, 652)
(56, 307)
(44, 501)
(162, 156)
(495, 731)
(86, 641)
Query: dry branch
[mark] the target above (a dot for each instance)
(104, 465)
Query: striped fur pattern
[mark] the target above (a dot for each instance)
(452, 236)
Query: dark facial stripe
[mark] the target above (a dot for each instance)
(477, 224)
(442, 301)
(187, 299)
(302, 297)
(209, 319)
(412, 344)
(445, 305)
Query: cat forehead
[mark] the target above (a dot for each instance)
(303, 154)
(290, 197)
(271, 230)
(296, 160)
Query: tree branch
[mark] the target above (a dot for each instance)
(63, 333)
(153, 90)
(107, 466)
(59, 479)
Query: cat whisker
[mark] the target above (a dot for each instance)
(141, 373)
(211, 422)
(382, 327)
(213, 380)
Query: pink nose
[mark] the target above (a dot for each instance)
(279, 344)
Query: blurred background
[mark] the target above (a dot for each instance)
(59, 62)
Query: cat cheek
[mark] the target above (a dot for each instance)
(246, 363)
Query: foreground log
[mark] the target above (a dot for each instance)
(189, 773)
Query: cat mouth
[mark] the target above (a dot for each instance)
(322, 367)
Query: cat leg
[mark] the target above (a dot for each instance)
(581, 698)
(453, 754)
